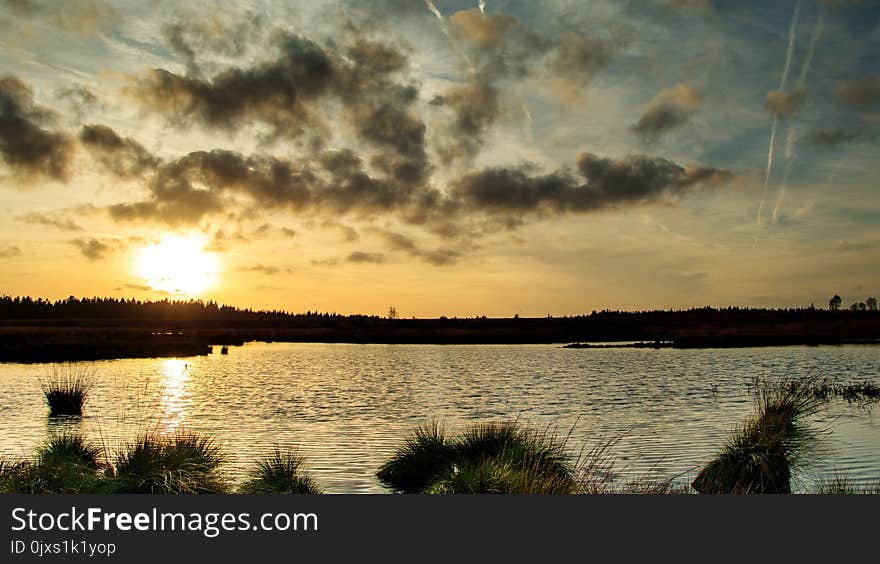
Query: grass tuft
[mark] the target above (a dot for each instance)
(484, 458)
(184, 463)
(762, 455)
(425, 455)
(281, 472)
(67, 390)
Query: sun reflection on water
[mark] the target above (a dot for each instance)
(175, 398)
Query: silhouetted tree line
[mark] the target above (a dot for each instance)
(198, 310)
(116, 308)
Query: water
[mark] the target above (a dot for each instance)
(346, 407)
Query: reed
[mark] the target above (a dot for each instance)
(776, 440)
(183, 463)
(281, 472)
(67, 389)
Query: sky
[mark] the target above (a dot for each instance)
(445, 158)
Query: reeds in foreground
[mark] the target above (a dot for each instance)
(484, 458)
(67, 390)
(64, 464)
(762, 455)
(184, 463)
(282, 472)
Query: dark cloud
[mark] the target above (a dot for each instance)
(834, 136)
(233, 36)
(95, 249)
(288, 232)
(289, 93)
(204, 182)
(475, 108)
(122, 156)
(786, 104)
(275, 93)
(9, 252)
(260, 269)
(862, 93)
(65, 224)
(361, 257)
(25, 146)
(669, 110)
(637, 179)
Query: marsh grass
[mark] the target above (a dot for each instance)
(426, 455)
(492, 457)
(500, 476)
(67, 389)
(183, 463)
(281, 472)
(65, 463)
(771, 445)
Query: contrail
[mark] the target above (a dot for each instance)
(454, 46)
(792, 34)
(789, 147)
(789, 159)
(434, 9)
(528, 116)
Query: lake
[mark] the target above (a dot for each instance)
(346, 407)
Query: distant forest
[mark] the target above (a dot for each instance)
(197, 310)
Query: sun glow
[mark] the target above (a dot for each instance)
(177, 265)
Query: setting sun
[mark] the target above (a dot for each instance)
(177, 265)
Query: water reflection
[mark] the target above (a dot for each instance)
(174, 393)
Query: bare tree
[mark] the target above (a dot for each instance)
(392, 312)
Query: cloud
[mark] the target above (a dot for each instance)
(9, 252)
(81, 16)
(670, 109)
(786, 104)
(205, 182)
(475, 108)
(65, 224)
(260, 269)
(288, 232)
(123, 157)
(25, 146)
(497, 45)
(228, 35)
(362, 257)
(834, 136)
(95, 249)
(437, 257)
(634, 180)
(578, 57)
(348, 233)
(861, 93)
(79, 99)
(274, 93)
